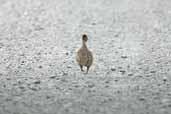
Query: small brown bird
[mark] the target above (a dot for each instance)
(84, 55)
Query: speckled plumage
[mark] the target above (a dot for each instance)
(84, 55)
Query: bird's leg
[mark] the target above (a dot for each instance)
(81, 67)
(87, 69)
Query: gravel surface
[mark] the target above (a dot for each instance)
(130, 40)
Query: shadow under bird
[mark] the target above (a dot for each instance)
(84, 56)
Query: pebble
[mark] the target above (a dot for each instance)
(40, 66)
(52, 77)
(106, 86)
(142, 99)
(148, 75)
(57, 78)
(116, 80)
(37, 82)
(47, 97)
(113, 69)
(66, 53)
(93, 23)
(152, 71)
(4, 86)
(76, 86)
(70, 88)
(164, 79)
(140, 76)
(130, 74)
(116, 35)
(64, 74)
(122, 71)
(118, 91)
(91, 85)
(106, 81)
(22, 62)
(124, 56)
(34, 89)
(69, 67)
(119, 67)
(21, 87)
(8, 78)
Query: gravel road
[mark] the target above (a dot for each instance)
(130, 40)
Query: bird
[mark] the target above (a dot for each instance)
(84, 56)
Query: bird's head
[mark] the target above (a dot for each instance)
(84, 38)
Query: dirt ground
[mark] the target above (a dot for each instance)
(130, 41)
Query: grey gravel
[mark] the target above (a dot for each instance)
(130, 40)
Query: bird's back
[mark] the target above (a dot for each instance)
(84, 57)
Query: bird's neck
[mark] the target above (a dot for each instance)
(84, 44)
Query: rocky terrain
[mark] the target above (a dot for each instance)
(130, 40)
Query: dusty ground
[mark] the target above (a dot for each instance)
(131, 42)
